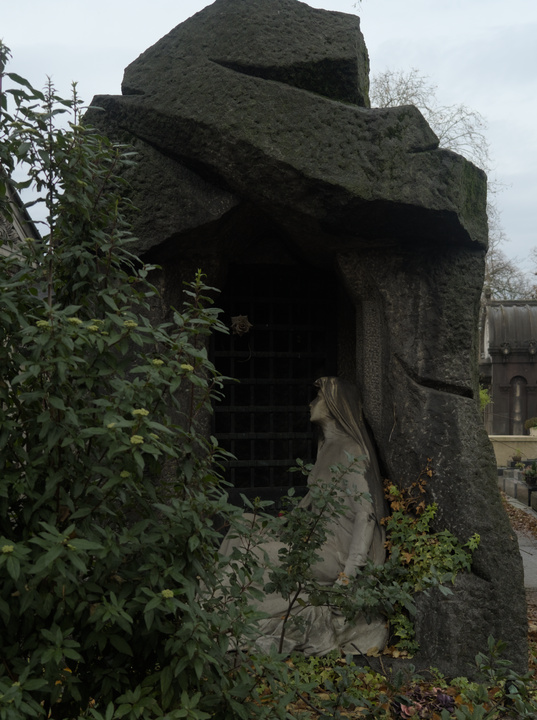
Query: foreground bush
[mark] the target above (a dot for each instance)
(108, 493)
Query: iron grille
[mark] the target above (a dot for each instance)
(264, 418)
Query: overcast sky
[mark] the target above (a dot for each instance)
(482, 53)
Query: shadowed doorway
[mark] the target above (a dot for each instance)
(264, 417)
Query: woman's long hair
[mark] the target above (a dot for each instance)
(345, 405)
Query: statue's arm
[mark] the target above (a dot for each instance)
(362, 537)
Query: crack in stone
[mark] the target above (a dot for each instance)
(434, 384)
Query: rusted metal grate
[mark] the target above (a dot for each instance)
(264, 419)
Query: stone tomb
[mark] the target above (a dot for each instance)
(354, 245)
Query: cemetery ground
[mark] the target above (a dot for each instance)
(525, 524)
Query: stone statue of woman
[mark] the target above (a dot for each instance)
(353, 537)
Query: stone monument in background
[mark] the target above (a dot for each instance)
(355, 247)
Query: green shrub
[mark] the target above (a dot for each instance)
(109, 496)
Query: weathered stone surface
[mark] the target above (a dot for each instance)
(253, 127)
(287, 42)
(185, 199)
(170, 198)
(290, 149)
(419, 396)
(449, 628)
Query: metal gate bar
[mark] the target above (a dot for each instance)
(264, 418)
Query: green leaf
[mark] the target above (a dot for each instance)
(46, 560)
(193, 542)
(22, 81)
(23, 148)
(78, 562)
(71, 309)
(153, 603)
(149, 618)
(13, 567)
(123, 710)
(57, 403)
(93, 432)
(72, 654)
(82, 544)
(5, 610)
(110, 302)
(166, 678)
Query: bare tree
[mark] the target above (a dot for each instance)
(503, 278)
(393, 88)
(458, 127)
(463, 130)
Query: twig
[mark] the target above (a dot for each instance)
(311, 705)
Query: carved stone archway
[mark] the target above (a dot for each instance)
(251, 120)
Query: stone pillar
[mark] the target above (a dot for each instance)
(416, 344)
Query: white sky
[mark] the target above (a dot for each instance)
(482, 53)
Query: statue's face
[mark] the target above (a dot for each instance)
(319, 409)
